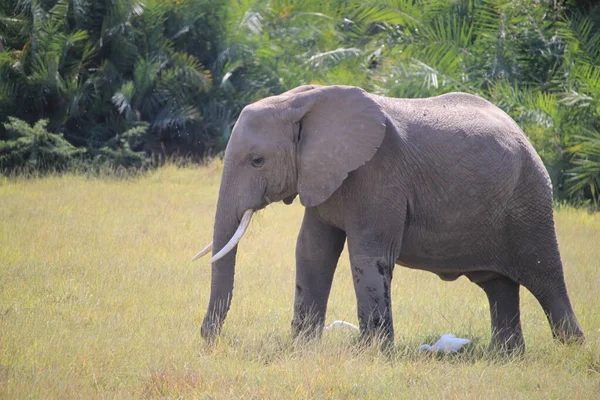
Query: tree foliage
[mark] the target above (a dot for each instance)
(178, 72)
(95, 70)
(34, 148)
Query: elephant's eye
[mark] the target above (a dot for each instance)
(256, 160)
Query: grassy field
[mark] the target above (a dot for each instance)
(98, 299)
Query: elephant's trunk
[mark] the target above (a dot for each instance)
(223, 269)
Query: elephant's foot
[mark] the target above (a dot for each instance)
(508, 343)
(376, 329)
(567, 329)
(210, 330)
(307, 324)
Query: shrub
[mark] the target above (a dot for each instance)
(33, 148)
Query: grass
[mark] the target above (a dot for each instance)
(98, 299)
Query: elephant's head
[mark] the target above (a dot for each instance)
(305, 142)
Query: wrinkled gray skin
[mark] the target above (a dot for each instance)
(448, 184)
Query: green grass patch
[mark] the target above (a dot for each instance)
(98, 299)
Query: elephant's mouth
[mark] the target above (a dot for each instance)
(266, 201)
(290, 199)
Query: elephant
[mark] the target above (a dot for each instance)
(447, 184)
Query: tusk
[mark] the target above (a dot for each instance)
(236, 236)
(203, 252)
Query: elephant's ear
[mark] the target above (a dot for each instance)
(341, 129)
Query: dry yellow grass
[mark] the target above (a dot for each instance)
(98, 299)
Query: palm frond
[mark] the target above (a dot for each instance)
(582, 36)
(403, 13)
(58, 12)
(252, 22)
(332, 57)
(173, 116)
(123, 100)
(190, 72)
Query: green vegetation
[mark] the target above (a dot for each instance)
(179, 71)
(98, 69)
(98, 299)
(34, 147)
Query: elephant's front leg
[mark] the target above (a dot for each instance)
(372, 281)
(317, 253)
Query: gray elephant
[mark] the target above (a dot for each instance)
(448, 184)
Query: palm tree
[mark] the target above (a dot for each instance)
(97, 69)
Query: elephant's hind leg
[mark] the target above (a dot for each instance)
(503, 295)
(538, 268)
(547, 284)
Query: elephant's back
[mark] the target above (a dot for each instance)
(481, 137)
(463, 134)
(454, 116)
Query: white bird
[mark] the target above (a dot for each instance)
(447, 344)
(341, 323)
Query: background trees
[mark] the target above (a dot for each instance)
(178, 72)
(96, 69)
